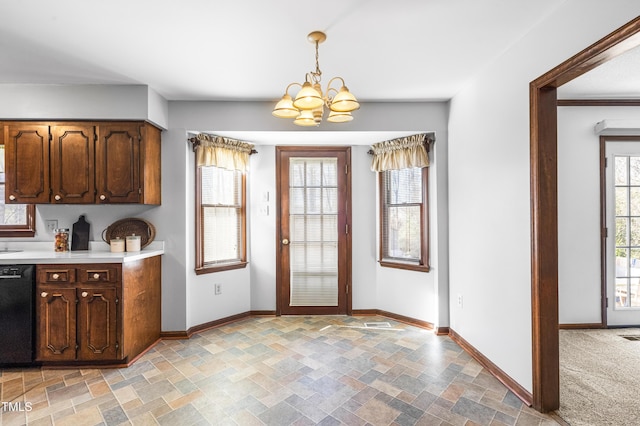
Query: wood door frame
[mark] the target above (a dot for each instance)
(544, 206)
(318, 149)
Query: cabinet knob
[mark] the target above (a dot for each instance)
(55, 276)
(12, 197)
(103, 197)
(58, 197)
(44, 294)
(285, 242)
(96, 276)
(85, 294)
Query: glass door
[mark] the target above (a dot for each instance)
(623, 232)
(313, 255)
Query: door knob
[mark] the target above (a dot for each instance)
(285, 242)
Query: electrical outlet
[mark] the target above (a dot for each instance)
(217, 289)
(460, 301)
(51, 224)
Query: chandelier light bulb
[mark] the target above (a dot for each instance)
(305, 118)
(344, 101)
(285, 109)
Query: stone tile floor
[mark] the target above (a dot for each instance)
(276, 371)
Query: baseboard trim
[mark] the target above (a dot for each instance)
(503, 377)
(401, 318)
(179, 335)
(580, 326)
(263, 313)
(174, 335)
(365, 312)
(442, 331)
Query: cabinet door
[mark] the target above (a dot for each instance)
(56, 321)
(27, 163)
(97, 333)
(72, 164)
(118, 163)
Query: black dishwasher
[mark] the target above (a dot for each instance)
(17, 305)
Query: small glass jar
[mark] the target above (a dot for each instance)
(61, 242)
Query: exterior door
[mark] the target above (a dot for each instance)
(622, 236)
(314, 240)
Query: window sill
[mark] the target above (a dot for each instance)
(407, 266)
(17, 233)
(221, 267)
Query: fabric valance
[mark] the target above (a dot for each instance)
(227, 153)
(401, 153)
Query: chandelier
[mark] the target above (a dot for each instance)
(308, 106)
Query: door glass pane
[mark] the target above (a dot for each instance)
(313, 230)
(634, 170)
(621, 201)
(621, 177)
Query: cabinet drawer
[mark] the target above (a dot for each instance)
(56, 275)
(100, 274)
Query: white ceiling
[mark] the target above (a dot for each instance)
(407, 50)
(401, 50)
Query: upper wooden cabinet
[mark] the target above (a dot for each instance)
(82, 162)
(26, 163)
(72, 166)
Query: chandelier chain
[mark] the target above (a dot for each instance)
(317, 75)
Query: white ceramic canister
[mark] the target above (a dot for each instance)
(133, 242)
(117, 245)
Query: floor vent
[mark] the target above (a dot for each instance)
(377, 325)
(634, 338)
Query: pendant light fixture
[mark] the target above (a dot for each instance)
(307, 108)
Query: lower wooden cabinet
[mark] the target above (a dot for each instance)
(82, 316)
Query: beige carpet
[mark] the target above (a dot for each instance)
(599, 377)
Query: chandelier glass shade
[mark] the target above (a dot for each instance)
(307, 108)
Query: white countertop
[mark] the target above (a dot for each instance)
(99, 252)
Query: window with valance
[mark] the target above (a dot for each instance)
(221, 165)
(403, 168)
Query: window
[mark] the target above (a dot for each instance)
(404, 233)
(16, 220)
(220, 219)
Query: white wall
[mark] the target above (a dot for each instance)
(489, 193)
(82, 102)
(408, 293)
(579, 266)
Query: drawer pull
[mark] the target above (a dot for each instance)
(44, 294)
(96, 276)
(55, 276)
(85, 294)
